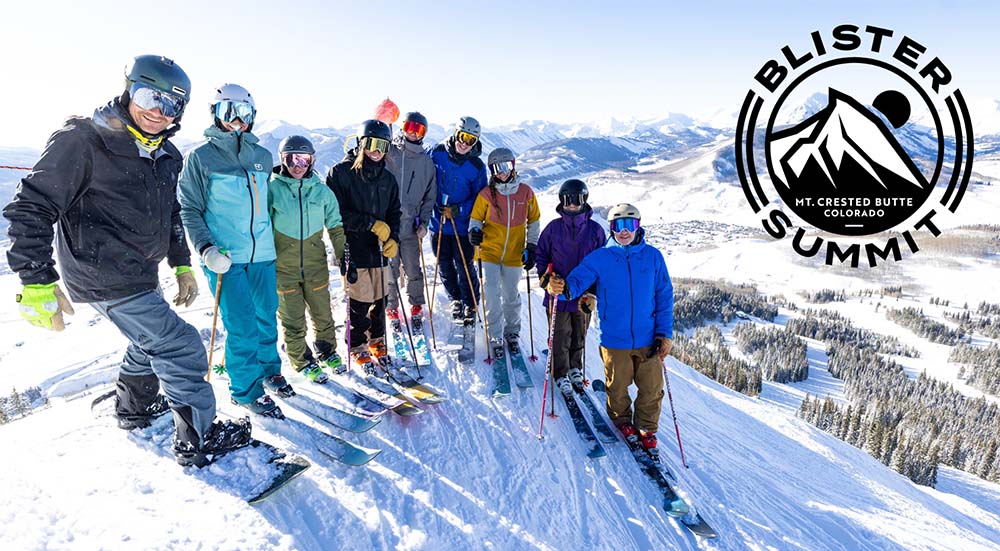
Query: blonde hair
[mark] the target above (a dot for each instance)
(359, 158)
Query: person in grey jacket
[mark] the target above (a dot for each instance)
(414, 171)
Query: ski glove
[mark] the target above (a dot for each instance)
(421, 231)
(661, 347)
(556, 285)
(449, 211)
(349, 271)
(476, 237)
(216, 259)
(528, 256)
(381, 230)
(187, 287)
(390, 249)
(588, 303)
(44, 305)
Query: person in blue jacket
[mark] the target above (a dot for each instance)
(461, 174)
(224, 189)
(635, 303)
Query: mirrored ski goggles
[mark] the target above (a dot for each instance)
(229, 111)
(505, 167)
(301, 160)
(621, 224)
(466, 138)
(375, 144)
(150, 98)
(574, 199)
(414, 127)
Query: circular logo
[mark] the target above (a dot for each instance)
(859, 134)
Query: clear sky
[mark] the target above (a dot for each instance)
(329, 63)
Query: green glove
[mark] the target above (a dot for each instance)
(44, 305)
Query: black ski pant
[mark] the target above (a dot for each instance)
(367, 322)
(568, 341)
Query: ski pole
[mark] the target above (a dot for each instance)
(381, 278)
(531, 325)
(409, 333)
(486, 321)
(677, 429)
(347, 296)
(468, 276)
(437, 268)
(215, 318)
(548, 364)
(427, 296)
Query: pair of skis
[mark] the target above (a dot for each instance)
(501, 375)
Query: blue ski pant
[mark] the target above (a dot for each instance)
(164, 345)
(249, 306)
(453, 271)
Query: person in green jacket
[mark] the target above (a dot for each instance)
(301, 206)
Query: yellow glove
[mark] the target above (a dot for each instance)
(390, 249)
(381, 229)
(44, 305)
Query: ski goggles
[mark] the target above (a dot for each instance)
(505, 167)
(300, 160)
(571, 199)
(229, 111)
(622, 224)
(467, 138)
(150, 98)
(375, 144)
(414, 127)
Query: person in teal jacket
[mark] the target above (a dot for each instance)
(301, 206)
(635, 304)
(223, 189)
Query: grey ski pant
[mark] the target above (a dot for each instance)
(164, 345)
(409, 256)
(503, 299)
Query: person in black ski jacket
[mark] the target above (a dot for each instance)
(109, 185)
(369, 206)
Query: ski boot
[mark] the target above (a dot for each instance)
(513, 346)
(457, 310)
(363, 359)
(393, 315)
(222, 437)
(378, 351)
(564, 386)
(327, 353)
(469, 315)
(630, 433)
(144, 418)
(263, 406)
(498, 351)
(314, 373)
(575, 377)
(648, 441)
(279, 385)
(416, 317)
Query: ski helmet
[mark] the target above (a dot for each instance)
(501, 155)
(574, 187)
(373, 128)
(160, 73)
(230, 103)
(623, 210)
(296, 144)
(415, 116)
(468, 124)
(233, 92)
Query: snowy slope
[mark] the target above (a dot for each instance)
(468, 474)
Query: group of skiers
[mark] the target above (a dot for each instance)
(109, 183)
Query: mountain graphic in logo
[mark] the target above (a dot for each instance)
(843, 163)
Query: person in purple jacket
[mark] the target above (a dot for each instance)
(565, 242)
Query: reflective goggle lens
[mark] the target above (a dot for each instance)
(414, 127)
(376, 144)
(301, 160)
(630, 224)
(505, 167)
(229, 111)
(466, 138)
(150, 98)
(572, 199)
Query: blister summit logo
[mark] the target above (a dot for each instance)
(863, 136)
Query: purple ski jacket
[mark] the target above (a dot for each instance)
(564, 242)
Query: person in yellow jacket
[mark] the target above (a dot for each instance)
(504, 226)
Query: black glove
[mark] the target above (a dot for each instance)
(544, 280)
(349, 271)
(476, 237)
(528, 256)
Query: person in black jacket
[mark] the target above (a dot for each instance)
(369, 206)
(109, 184)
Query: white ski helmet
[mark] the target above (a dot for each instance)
(623, 210)
(233, 92)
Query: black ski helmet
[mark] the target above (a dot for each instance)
(296, 144)
(374, 129)
(569, 187)
(160, 73)
(415, 116)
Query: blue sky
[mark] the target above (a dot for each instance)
(329, 63)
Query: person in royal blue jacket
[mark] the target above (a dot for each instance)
(461, 174)
(635, 303)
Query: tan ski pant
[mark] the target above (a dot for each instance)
(623, 367)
